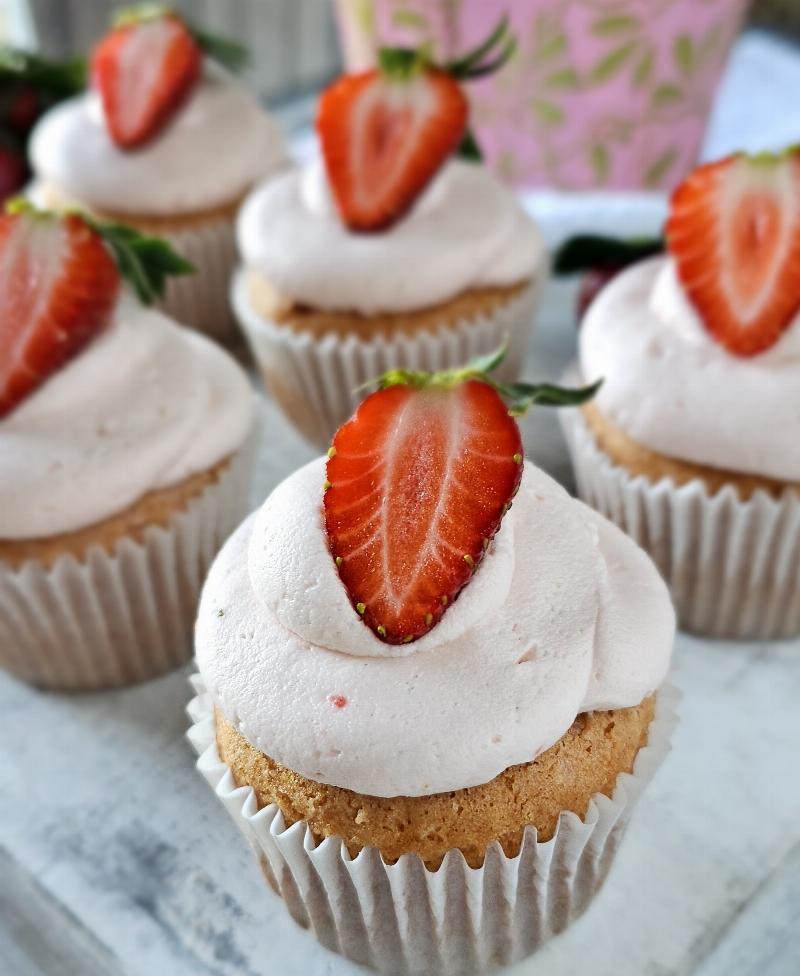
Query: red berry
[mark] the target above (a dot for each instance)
(24, 109)
(592, 283)
(384, 138)
(58, 287)
(144, 72)
(419, 482)
(13, 172)
(734, 231)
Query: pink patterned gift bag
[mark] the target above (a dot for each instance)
(599, 94)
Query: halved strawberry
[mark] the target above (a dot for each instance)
(419, 481)
(58, 287)
(734, 231)
(384, 137)
(144, 70)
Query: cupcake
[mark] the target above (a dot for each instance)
(124, 457)
(689, 445)
(411, 691)
(167, 142)
(388, 251)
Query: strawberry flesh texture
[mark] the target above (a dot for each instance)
(384, 139)
(58, 288)
(144, 73)
(419, 480)
(734, 231)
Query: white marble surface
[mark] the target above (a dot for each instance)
(115, 858)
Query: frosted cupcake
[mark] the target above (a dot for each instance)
(420, 686)
(123, 456)
(690, 445)
(167, 143)
(388, 252)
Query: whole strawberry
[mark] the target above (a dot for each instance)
(418, 482)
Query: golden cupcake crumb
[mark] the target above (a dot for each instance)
(585, 761)
(640, 460)
(479, 302)
(154, 508)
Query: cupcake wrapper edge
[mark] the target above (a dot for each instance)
(405, 920)
(732, 565)
(123, 616)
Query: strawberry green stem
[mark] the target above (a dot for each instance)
(487, 57)
(229, 53)
(145, 262)
(402, 63)
(519, 396)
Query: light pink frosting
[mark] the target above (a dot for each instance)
(564, 615)
(668, 384)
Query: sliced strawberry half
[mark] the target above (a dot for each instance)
(58, 287)
(144, 70)
(384, 137)
(734, 231)
(418, 482)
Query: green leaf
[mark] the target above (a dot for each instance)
(488, 57)
(666, 94)
(567, 80)
(609, 26)
(230, 54)
(521, 396)
(489, 362)
(601, 163)
(586, 251)
(145, 261)
(655, 173)
(644, 68)
(683, 53)
(548, 113)
(550, 48)
(469, 149)
(56, 78)
(525, 395)
(613, 62)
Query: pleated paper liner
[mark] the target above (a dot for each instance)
(404, 920)
(201, 300)
(123, 616)
(316, 380)
(732, 566)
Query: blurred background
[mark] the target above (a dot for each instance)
(601, 93)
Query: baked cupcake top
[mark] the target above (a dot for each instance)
(375, 627)
(387, 220)
(101, 399)
(162, 132)
(700, 349)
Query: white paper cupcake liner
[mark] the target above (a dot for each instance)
(732, 566)
(315, 380)
(201, 300)
(404, 920)
(120, 617)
